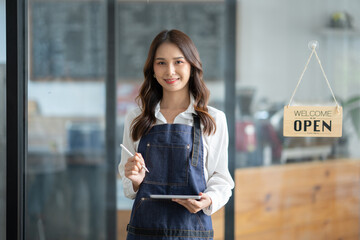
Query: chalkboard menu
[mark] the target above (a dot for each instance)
(68, 39)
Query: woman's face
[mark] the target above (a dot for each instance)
(172, 71)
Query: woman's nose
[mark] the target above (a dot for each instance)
(171, 69)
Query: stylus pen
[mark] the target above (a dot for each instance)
(123, 147)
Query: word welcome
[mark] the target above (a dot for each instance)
(312, 113)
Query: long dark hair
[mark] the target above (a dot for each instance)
(151, 91)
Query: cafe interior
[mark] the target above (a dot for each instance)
(80, 86)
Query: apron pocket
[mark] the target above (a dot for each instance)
(167, 164)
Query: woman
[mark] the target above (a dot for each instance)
(182, 142)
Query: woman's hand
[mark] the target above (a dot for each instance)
(193, 205)
(134, 170)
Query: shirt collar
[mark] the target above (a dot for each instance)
(191, 109)
(186, 114)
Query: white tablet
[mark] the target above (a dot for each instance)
(175, 196)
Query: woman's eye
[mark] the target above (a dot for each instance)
(179, 62)
(161, 63)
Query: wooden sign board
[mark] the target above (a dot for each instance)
(312, 121)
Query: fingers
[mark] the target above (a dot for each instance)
(139, 158)
(189, 204)
(135, 162)
(134, 165)
(134, 170)
(194, 206)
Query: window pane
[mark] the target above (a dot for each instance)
(2, 121)
(66, 169)
(303, 176)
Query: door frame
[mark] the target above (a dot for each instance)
(16, 117)
(16, 114)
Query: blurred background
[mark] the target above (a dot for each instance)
(286, 188)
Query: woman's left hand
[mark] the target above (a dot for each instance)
(193, 205)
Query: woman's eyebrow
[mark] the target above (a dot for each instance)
(161, 58)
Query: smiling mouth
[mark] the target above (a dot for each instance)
(171, 80)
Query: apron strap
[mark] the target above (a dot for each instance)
(196, 143)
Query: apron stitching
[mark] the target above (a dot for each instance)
(169, 236)
(148, 145)
(165, 184)
(200, 222)
(155, 132)
(208, 232)
(187, 167)
(175, 146)
(137, 206)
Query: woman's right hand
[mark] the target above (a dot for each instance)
(134, 170)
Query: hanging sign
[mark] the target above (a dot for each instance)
(312, 121)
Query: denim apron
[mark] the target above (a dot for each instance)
(173, 153)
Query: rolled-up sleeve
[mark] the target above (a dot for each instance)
(219, 183)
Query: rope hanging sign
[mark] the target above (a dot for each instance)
(313, 121)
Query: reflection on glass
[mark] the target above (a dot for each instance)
(66, 166)
(307, 182)
(2, 122)
(262, 94)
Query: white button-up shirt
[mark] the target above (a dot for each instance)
(217, 176)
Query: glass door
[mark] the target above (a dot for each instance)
(138, 22)
(77, 97)
(69, 177)
(296, 187)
